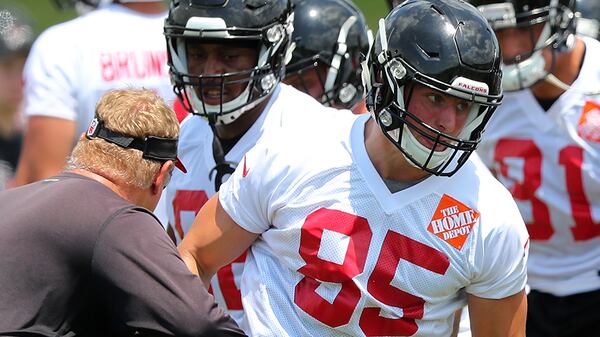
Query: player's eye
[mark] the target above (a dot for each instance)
(435, 98)
(463, 106)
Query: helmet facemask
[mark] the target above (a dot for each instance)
(333, 70)
(308, 73)
(392, 82)
(530, 67)
(432, 91)
(270, 42)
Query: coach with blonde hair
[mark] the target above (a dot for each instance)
(81, 252)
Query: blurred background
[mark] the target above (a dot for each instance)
(44, 13)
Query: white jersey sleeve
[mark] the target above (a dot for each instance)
(249, 204)
(500, 259)
(50, 74)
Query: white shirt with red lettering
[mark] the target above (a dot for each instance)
(72, 64)
(550, 161)
(340, 255)
(186, 193)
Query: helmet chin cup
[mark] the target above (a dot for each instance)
(524, 74)
(219, 118)
(421, 153)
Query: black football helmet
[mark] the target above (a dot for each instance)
(558, 17)
(267, 23)
(588, 20)
(460, 58)
(332, 34)
(16, 33)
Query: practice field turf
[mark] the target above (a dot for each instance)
(44, 13)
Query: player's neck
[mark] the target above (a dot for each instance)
(242, 124)
(566, 69)
(387, 159)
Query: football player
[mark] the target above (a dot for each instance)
(328, 40)
(543, 144)
(380, 226)
(226, 60)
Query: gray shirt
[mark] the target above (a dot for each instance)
(77, 259)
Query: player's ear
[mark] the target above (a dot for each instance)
(163, 177)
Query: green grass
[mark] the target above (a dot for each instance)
(44, 13)
(373, 11)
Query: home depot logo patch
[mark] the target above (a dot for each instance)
(453, 221)
(589, 122)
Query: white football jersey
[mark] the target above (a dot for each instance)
(550, 161)
(72, 64)
(186, 193)
(340, 255)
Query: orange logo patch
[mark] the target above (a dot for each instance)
(589, 122)
(453, 221)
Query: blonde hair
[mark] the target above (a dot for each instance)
(133, 112)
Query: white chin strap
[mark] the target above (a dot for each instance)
(410, 144)
(207, 109)
(588, 27)
(528, 72)
(524, 74)
(419, 152)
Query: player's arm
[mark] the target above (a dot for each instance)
(51, 78)
(503, 317)
(47, 144)
(213, 241)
